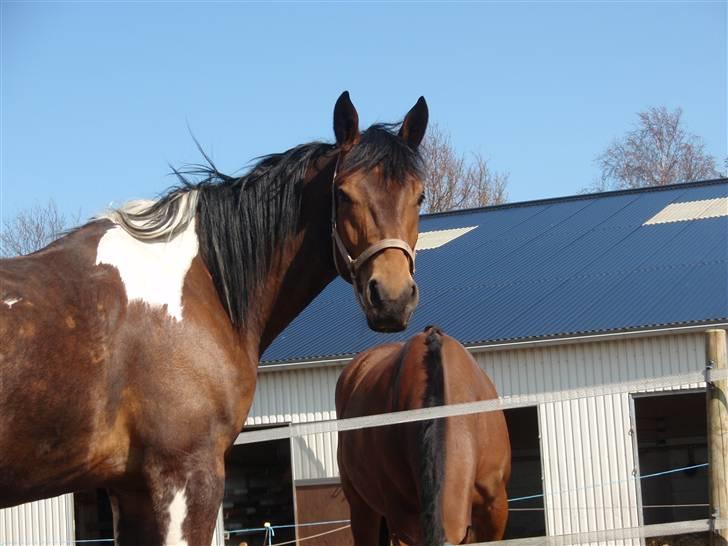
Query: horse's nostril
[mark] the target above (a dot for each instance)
(374, 297)
(414, 290)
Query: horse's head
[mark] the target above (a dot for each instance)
(377, 193)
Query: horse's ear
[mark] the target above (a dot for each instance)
(415, 123)
(346, 122)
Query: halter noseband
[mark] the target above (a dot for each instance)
(354, 264)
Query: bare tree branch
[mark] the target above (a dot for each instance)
(658, 151)
(32, 229)
(451, 182)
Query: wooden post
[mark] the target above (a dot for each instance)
(717, 396)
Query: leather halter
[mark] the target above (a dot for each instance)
(354, 264)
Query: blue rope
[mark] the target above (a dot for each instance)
(664, 473)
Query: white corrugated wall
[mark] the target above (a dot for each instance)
(301, 396)
(587, 446)
(47, 522)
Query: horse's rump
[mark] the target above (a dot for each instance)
(428, 477)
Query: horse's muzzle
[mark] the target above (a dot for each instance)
(386, 313)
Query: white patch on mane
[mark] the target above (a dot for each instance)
(152, 271)
(11, 301)
(177, 514)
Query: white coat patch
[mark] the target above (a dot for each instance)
(152, 272)
(177, 515)
(11, 301)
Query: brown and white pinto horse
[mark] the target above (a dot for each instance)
(130, 346)
(426, 483)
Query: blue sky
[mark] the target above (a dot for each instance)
(97, 97)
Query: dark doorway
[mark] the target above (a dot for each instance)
(258, 489)
(526, 518)
(672, 434)
(92, 515)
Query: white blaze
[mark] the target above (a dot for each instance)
(177, 515)
(152, 272)
(11, 301)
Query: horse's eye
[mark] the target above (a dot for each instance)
(342, 197)
(420, 200)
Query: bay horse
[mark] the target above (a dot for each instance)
(130, 345)
(427, 483)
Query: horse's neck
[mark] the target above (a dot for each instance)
(302, 268)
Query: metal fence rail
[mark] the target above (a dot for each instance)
(410, 416)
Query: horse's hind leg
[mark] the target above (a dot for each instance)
(489, 520)
(169, 509)
(366, 524)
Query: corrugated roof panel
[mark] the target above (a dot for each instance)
(644, 206)
(583, 264)
(703, 293)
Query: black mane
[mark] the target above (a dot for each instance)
(381, 146)
(243, 220)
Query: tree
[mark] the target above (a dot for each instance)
(452, 182)
(32, 229)
(658, 151)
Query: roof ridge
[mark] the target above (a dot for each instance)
(578, 197)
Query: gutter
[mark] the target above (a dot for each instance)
(515, 345)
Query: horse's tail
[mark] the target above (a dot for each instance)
(432, 442)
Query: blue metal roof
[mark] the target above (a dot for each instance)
(543, 269)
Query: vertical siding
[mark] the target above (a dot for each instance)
(587, 445)
(301, 396)
(46, 522)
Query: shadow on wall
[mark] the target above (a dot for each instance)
(306, 464)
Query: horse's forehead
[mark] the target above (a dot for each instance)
(380, 190)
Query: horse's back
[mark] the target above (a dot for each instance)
(361, 387)
(465, 379)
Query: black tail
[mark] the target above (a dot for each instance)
(432, 438)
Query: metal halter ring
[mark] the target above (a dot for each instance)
(354, 264)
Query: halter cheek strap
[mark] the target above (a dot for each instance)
(354, 264)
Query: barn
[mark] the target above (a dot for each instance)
(548, 295)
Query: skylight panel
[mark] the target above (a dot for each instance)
(690, 210)
(435, 239)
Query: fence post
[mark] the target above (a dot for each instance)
(717, 394)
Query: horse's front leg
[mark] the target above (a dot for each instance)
(174, 505)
